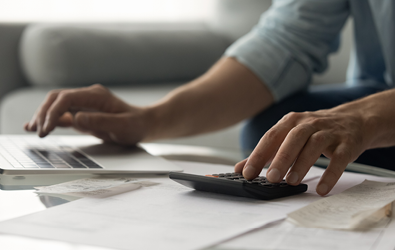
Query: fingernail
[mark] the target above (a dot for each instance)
(249, 171)
(274, 175)
(322, 189)
(293, 178)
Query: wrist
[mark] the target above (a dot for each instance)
(376, 119)
(150, 122)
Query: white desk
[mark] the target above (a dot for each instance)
(18, 203)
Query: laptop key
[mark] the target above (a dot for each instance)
(78, 155)
(30, 166)
(77, 165)
(45, 165)
(60, 165)
(94, 165)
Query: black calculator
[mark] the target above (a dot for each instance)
(235, 184)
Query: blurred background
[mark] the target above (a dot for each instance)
(39, 46)
(105, 10)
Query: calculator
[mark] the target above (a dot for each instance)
(235, 184)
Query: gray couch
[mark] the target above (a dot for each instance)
(139, 62)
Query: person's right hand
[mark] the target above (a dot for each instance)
(93, 110)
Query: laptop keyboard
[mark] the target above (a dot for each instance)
(22, 154)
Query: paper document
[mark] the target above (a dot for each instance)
(12, 242)
(361, 206)
(285, 235)
(100, 187)
(164, 216)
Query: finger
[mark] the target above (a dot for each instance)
(313, 149)
(288, 152)
(26, 127)
(240, 165)
(339, 161)
(37, 121)
(266, 148)
(94, 97)
(66, 120)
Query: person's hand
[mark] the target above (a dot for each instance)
(295, 143)
(93, 110)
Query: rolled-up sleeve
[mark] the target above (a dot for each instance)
(291, 41)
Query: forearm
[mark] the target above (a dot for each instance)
(228, 93)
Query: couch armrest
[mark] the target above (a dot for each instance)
(69, 54)
(11, 76)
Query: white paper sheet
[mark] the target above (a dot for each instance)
(285, 235)
(173, 217)
(164, 216)
(361, 206)
(12, 242)
(99, 187)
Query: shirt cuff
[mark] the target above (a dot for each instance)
(275, 66)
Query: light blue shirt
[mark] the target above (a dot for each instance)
(294, 38)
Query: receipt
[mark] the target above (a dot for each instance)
(361, 206)
(99, 187)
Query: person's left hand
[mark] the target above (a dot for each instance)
(295, 143)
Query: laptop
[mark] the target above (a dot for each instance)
(27, 161)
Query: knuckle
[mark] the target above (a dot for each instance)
(300, 132)
(333, 173)
(318, 138)
(317, 122)
(300, 129)
(272, 135)
(257, 155)
(97, 86)
(51, 94)
(64, 95)
(285, 157)
(343, 155)
(100, 87)
(291, 117)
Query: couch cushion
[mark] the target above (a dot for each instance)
(71, 54)
(11, 76)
